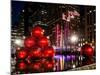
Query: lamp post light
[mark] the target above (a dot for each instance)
(74, 38)
(18, 42)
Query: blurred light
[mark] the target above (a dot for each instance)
(79, 44)
(72, 17)
(74, 66)
(80, 58)
(90, 11)
(24, 37)
(79, 49)
(48, 37)
(19, 42)
(43, 12)
(83, 43)
(18, 48)
(83, 39)
(54, 47)
(58, 56)
(86, 42)
(91, 44)
(92, 41)
(68, 20)
(93, 47)
(43, 31)
(74, 38)
(22, 10)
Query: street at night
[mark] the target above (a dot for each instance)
(48, 37)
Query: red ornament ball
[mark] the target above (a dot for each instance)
(36, 66)
(49, 65)
(29, 42)
(22, 66)
(21, 54)
(43, 42)
(87, 50)
(35, 53)
(37, 31)
(49, 52)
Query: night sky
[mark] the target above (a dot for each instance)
(18, 6)
(16, 9)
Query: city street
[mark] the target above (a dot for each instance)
(48, 37)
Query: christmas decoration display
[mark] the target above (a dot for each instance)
(52, 38)
(29, 42)
(22, 66)
(21, 54)
(43, 42)
(37, 53)
(87, 51)
(48, 52)
(37, 32)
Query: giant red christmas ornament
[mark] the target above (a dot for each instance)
(21, 54)
(22, 65)
(39, 55)
(36, 66)
(37, 31)
(48, 52)
(35, 53)
(43, 42)
(87, 50)
(29, 42)
(49, 65)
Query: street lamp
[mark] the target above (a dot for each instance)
(74, 38)
(18, 42)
